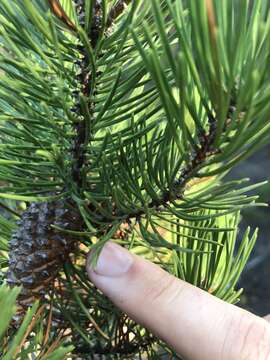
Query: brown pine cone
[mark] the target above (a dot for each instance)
(38, 251)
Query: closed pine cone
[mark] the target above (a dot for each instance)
(38, 251)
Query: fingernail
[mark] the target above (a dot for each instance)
(113, 261)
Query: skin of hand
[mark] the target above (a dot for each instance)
(196, 324)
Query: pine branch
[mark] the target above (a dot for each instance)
(138, 135)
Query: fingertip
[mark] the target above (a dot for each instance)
(113, 261)
(89, 265)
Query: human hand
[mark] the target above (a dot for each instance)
(196, 324)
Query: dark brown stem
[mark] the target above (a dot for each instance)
(84, 78)
(117, 10)
(59, 12)
(204, 150)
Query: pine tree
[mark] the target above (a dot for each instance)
(120, 120)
